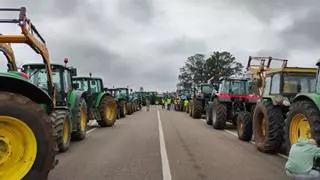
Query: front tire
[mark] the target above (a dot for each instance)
(196, 109)
(36, 139)
(302, 122)
(62, 125)
(81, 120)
(244, 126)
(209, 114)
(268, 127)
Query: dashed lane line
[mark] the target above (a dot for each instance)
(166, 174)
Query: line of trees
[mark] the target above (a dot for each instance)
(199, 68)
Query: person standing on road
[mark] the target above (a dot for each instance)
(163, 103)
(300, 164)
(168, 103)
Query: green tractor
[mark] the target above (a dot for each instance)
(124, 104)
(199, 102)
(101, 106)
(27, 136)
(303, 116)
(278, 88)
(71, 114)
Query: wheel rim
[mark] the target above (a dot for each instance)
(264, 127)
(66, 131)
(299, 128)
(240, 128)
(110, 112)
(18, 148)
(83, 119)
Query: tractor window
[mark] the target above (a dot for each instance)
(39, 77)
(275, 84)
(83, 84)
(318, 83)
(298, 83)
(94, 85)
(224, 87)
(67, 80)
(267, 86)
(206, 89)
(239, 87)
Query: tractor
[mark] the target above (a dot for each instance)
(303, 116)
(231, 102)
(278, 88)
(27, 136)
(199, 102)
(101, 106)
(71, 116)
(124, 106)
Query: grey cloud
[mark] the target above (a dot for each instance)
(141, 11)
(182, 45)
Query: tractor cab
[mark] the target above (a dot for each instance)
(61, 76)
(286, 83)
(120, 93)
(205, 90)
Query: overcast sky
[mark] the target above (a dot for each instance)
(145, 42)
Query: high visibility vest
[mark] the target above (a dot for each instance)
(163, 101)
(186, 102)
(169, 101)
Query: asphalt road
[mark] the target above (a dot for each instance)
(166, 145)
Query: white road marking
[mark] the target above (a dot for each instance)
(90, 131)
(230, 132)
(166, 174)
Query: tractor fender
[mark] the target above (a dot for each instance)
(27, 89)
(99, 98)
(73, 100)
(273, 99)
(312, 97)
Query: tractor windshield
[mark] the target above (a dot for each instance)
(82, 84)
(299, 83)
(238, 87)
(39, 77)
(206, 89)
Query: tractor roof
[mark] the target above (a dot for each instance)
(292, 70)
(234, 78)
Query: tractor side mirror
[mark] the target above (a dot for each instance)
(131, 90)
(73, 71)
(75, 85)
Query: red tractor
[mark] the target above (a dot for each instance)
(232, 102)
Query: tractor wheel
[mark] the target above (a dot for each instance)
(219, 115)
(196, 109)
(268, 127)
(209, 114)
(27, 139)
(302, 122)
(62, 125)
(123, 109)
(129, 108)
(81, 119)
(108, 112)
(244, 126)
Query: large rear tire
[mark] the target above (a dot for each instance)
(190, 108)
(268, 125)
(209, 114)
(196, 109)
(302, 122)
(27, 131)
(123, 111)
(219, 115)
(81, 120)
(244, 126)
(62, 125)
(108, 112)
(129, 108)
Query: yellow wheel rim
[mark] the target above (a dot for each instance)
(18, 148)
(299, 128)
(66, 132)
(83, 119)
(125, 110)
(110, 112)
